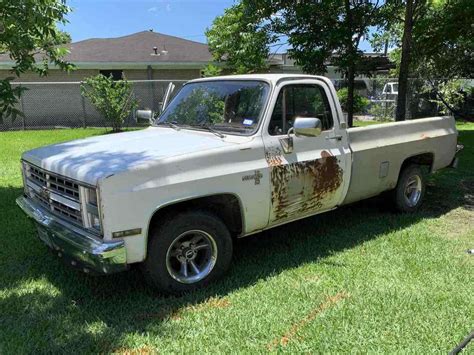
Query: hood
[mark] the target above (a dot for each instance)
(90, 159)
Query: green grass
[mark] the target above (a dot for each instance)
(359, 279)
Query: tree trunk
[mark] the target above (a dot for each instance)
(351, 49)
(405, 62)
(350, 95)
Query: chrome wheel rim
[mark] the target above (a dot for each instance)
(413, 190)
(191, 256)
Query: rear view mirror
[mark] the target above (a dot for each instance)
(307, 126)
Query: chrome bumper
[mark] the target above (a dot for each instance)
(83, 249)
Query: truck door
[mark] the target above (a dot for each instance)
(308, 177)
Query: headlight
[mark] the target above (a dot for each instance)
(92, 210)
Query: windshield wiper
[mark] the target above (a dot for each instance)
(169, 124)
(210, 129)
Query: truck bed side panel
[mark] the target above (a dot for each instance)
(380, 150)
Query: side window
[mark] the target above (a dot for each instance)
(302, 100)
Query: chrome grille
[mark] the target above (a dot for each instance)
(54, 182)
(56, 193)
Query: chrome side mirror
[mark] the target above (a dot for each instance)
(307, 126)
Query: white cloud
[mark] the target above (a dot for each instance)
(163, 6)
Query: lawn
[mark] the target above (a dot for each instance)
(359, 279)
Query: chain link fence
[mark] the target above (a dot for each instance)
(423, 98)
(60, 104)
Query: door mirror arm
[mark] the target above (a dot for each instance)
(287, 142)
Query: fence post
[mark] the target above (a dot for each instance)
(23, 123)
(84, 113)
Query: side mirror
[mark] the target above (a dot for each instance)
(307, 126)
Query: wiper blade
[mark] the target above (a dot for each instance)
(210, 129)
(169, 124)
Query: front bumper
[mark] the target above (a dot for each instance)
(83, 249)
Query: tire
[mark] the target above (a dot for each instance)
(410, 191)
(194, 237)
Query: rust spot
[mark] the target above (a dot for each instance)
(292, 333)
(300, 187)
(273, 157)
(325, 154)
(424, 136)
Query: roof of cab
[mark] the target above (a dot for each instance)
(273, 78)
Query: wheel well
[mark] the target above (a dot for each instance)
(224, 206)
(425, 159)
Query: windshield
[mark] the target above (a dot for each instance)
(231, 106)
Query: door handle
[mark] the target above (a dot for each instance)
(337, 137)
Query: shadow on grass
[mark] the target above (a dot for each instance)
(48, 307)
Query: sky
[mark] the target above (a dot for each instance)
(114, 18)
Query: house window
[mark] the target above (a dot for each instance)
(116, 74)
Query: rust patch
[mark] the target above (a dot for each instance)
(273, 157)
(325, 154)
(292, 333)
(317, 179)
(424, 136)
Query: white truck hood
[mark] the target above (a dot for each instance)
(90, 159)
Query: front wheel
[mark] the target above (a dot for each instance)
(410, 191)
(187, 252)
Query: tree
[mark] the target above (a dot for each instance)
(413, 10)
(237, 39)
(113, 99)
(443, 45)
(29, 34)
(211, 70)
(323, 32)
(433, 40)
(318, 32)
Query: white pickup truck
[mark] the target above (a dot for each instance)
(229, 157)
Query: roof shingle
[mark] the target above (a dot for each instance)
(135, 48)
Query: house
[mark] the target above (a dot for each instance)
(144, 55)
(149, 55)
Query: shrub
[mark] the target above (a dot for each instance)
(113, 99)
(360, 102)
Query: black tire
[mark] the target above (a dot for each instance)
(403, 200)
(161, 265)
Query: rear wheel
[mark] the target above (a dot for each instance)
(187, 252)
(410, 191)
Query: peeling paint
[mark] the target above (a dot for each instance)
(299, 188)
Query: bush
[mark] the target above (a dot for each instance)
(360, 102)
(113, 99)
